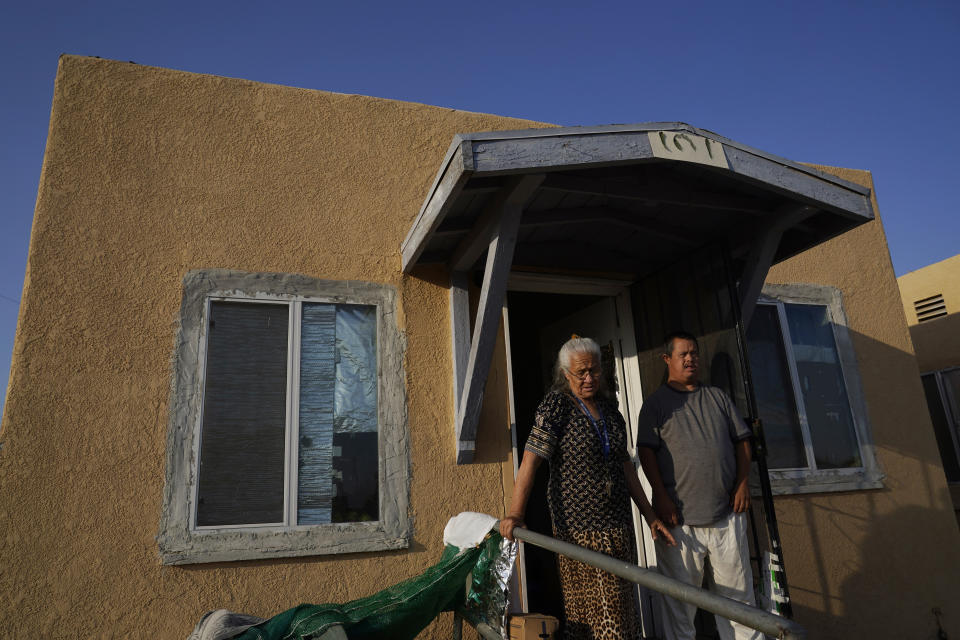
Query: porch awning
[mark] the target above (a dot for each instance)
(623, 201)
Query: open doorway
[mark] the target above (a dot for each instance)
(539, 324)
(530, 314)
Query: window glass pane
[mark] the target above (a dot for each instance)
(951, 382)
(356, 472)
(244, 415)
(338, 461)
(941, 423)
(821, 383)
(774, 390)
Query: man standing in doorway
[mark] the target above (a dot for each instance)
(695, 450)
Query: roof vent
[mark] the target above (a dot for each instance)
(930, 308)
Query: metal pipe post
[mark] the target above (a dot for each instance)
(457, 626)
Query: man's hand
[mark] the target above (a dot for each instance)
(666, 510)
(740, 498)
(508, 524)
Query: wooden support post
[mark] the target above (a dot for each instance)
(459, 331)
(500, 246)
(762, 254)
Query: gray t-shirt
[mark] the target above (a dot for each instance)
(693, 435)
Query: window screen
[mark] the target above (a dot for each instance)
(242, 452)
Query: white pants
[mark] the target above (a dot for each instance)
(725, 544)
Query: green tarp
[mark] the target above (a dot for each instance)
(405, 609)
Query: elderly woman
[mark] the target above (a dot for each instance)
(583, 436)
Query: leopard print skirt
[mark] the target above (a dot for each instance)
(597, 604)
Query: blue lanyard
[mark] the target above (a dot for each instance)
(604, 438)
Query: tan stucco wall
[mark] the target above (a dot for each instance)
(149, 173)
(937, 341)
(874, 563)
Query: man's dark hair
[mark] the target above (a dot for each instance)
(677, 335)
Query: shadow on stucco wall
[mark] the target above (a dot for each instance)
(876, 562)
(898, 570)
(886, 592)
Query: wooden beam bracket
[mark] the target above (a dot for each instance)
(498, 229)
(764, 249)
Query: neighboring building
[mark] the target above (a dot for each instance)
(292, 275)
(931, 303)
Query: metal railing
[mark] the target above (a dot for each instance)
(483, 629)
(767, 623)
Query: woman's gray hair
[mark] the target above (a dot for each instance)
(570, 348)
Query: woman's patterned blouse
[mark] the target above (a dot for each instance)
(579, 475)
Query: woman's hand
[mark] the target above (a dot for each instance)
(508, 524)
(660, 530)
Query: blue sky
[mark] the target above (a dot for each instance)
(869, 85)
